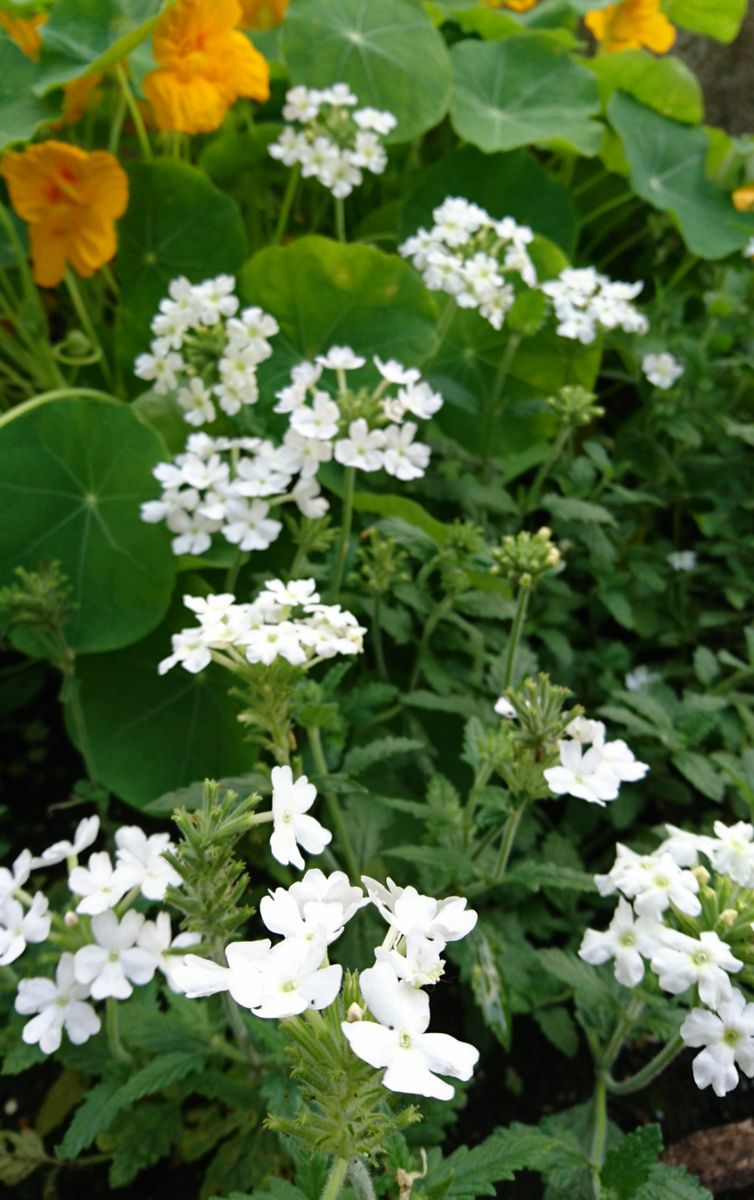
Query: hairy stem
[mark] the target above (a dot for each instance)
(315, 741)
(360, 1179)
(648, 1073)
(335, 1179)
(340, 219)
(341, 551)
(506, 845)
(113, 1036)
(599, 1137)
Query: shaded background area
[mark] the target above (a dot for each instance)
(726, 74)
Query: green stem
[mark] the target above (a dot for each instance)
(113, 1036)
(433, 621)
(335, 1179)
(86, 321)
(285, 211)
(648, 1073)
(557, 449)
(516, 631)
(599, 1137)
(480, 781)
(133, 108)
(232, 576)
(117, 126)
(607, 207)
(340, 219)
(626, 1022)
(341, 552)
(82, 733)
(109, 279)
(41, 347)
(446, 320)
(501, 375)
(379, 649)
(506, 845)
(239, 1030)
(61, 393)
(336, 812)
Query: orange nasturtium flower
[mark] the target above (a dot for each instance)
(80, 94)
(516, 5)
(205, 64)
(71, 201)
(24, 31)
(743, 198)
(266, 14)
(631, 25)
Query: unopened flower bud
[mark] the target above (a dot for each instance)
(728, 917)
(544, 534)
(702, 874)
(71, 920)
(707, 893)
(553, 557)
(355, 1013)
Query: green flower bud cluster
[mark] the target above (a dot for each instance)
(525, 558)
(575, 406)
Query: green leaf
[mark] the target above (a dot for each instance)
(619, 606)
(559, 1027)
(492, 24)
(390, 54)
(324, 294)
(576, 974)
(89, 1118)
(488, 987)
(143, 1137)
(706, 666)
(628, 1165)
(570, 509)
(21, 111)
(668, 169)
(191, 797)
(523, 91)
(449, 861)
(72, 475)
(665, 84)
(464, 706)
(721, 19)
(700, 773)
(475, 1172)
(672, 1183)
(407, 510)
(176, 223)
(359, 758)
(81, 36)
(133, 715)
(537, 875)
(506, 185)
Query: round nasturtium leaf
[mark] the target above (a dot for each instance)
(523, 91)
(389, 52)
(151, 733)
(21, 112)
(82, 36)
(177, 223)
(325, 294)
(73, 473)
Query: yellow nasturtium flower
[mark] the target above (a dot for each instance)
(266, 14)
(743, 198)
(71, 200)
(631, 25)
(205, 64)
(80, 94)
(516, 5)
(25, 32)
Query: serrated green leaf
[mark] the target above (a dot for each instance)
(628, 1166)
(575, 973)
(89, 1118)
(144, 1136)
(537, 875)
(434, 856)
(339, 783)
(672, 1183)
(359, 758)
(569, 508)
(700, 772)
(559, 1028)
(404, 509)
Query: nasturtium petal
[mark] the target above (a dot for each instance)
(668, 169)
(73, 473)
(523, 91)
(389, 52)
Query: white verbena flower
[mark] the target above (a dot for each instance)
(289, 980)
(362, 448)
(420, 963)
(586, 776)
(59, 1005)
(18, 928)
(731, 851)
(683, 961)
(404, 458)
(340, 358)
(156, 937)
(107, 966)
(11, 880)
(640, 679)
(399, 1042)
(407, 910)
(682, 560)
(101, 885)
(662, 369)
(728, 1040)
(85, 835)
(505, 709)
(656, 882)
(292, 827)
(625, 940)
(143, 857)
(314, 920)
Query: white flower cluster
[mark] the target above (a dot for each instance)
(586, 302)
(662, 369)
(682, 560)
(264, 630)
(197, 321)
(332, 139)
(292, 976)
(120, 953)
(473, 257)
(596, 775)
(655, 889)
(228, 485)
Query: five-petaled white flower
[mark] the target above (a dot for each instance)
(144, 857)
(107, 966)
(11, 880)
(683, 961)
(586, 776)
(728, 1039)
(101, 885)
(287, 981)
(662, 369)
(60, 1005)
(413, 1057)
(408, 910)
(156, 937)
(362, 448)
(292, 827)
(17, 928)
(731, 851)
(626, 941)
(85, 835)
